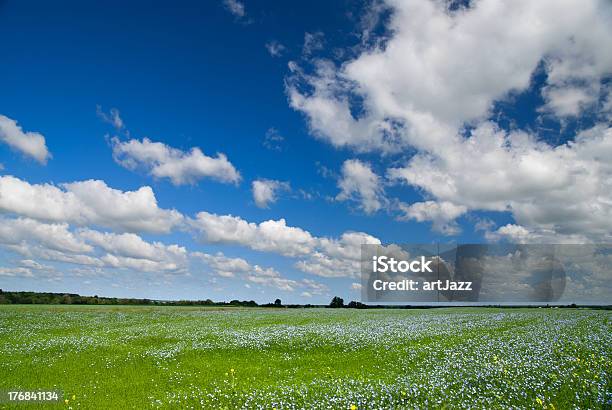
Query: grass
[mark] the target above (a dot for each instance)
(181, 357)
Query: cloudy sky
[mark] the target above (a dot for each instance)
(246, 149)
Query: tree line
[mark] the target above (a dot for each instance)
(50, 298)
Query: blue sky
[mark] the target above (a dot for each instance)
(356, 127)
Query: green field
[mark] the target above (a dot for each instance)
(141, 357)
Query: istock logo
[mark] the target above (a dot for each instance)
(384, 264)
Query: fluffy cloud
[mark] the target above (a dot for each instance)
(29, 263)
(320, 264)
(58, 237)
(163, 161)
(359, 183)
(271, 277)
(93, 203)
(519, 234)
(29, 143)
(442, 214)
(231, 267)
(327, 257)
(329, 113)
(314, 287)
(223, 265)
(337, 257)
(568, 101)
(142, 265)
(89, 202)
(270, 236)
(563, 190)
(440, 70)
(132, 247)
(348, 246)
(57, 242)
(16, 271)
(435, 73)
(265, 191)
(515, 233)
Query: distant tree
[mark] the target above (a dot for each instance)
(278, 303)
(336, 302)
(356, 305)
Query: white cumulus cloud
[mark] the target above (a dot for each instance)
(28, 143)
(224, 265)
(163, 161)
(441, 214)
(229, 267)
(90, 202)
(130, 245)
(321, 256)
(359, 183)
(565, 189)
(439, 70)
(265, 191)
(58, 242)
(56, 236)
(270, 236)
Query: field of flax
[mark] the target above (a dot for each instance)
(180, 357)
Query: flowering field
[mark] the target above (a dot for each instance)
(137, 357)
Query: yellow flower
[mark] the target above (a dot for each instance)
(232, 370)
(353, 407)
(66, 401)
(74, 397)
(540, 402)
